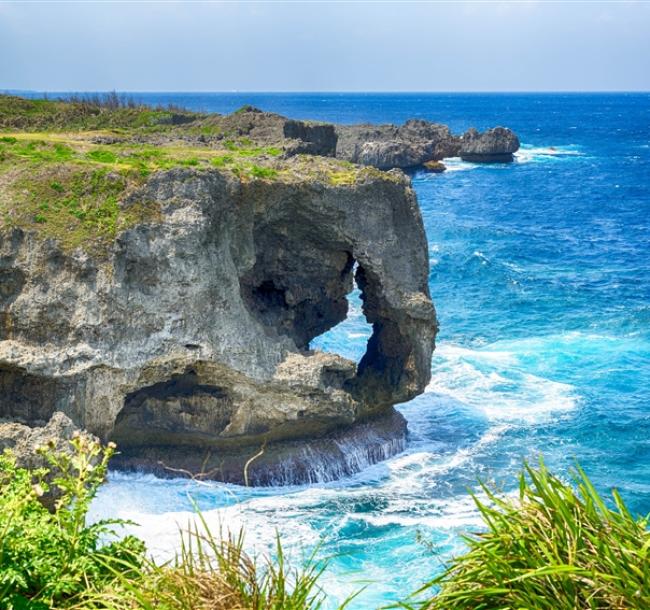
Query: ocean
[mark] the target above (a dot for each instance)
(540, 273)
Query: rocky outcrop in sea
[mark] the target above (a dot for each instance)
(419, 142)
(185, 337)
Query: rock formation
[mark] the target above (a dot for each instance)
(417, 142)
(385, 147)
(492, 146)
(390, 146)
(160, 284)
(297, 137)
(186, 340)
(435, 167)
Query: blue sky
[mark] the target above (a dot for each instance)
(325, 46)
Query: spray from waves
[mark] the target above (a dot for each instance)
(526, 154)
(456, 164)
(495, 389)
(351, 452)
(423, 490)
(409, 491)
(496, 384)
(490, 383)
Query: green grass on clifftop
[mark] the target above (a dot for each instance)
(53, 189)
(71, 170)
(89, 113)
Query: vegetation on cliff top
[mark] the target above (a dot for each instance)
(71, 170)
(88, 113)
(552, 546)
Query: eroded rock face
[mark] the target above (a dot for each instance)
(268, 128)
(418, 142)
(186, 342)
(385, 147)
(391, 146)
(492, 146)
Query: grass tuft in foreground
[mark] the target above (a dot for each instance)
(553, 547)
(213, 573)
(54, 559)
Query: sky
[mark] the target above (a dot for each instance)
(542, 45)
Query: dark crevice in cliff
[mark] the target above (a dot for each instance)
(179, 405)
(298, 294)
(268, 301)
(26, 397)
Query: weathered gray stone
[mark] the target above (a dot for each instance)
(28, 444)
(418, 142)
(186, 342)
(268, 128)
(492, 146)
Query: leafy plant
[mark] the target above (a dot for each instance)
(55, 560)
(552, 547)
(49, 559)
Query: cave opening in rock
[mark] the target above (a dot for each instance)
(169, 409)
(349, 338)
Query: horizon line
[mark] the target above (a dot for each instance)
(329, 92)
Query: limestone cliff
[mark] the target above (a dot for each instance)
(181, 329)
(163, 272)
(417, 142)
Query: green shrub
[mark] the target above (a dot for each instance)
(50, 559)
(54, 560)
(551, 548)
(102, 156)
(263, 172)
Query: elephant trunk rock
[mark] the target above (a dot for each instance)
(187, 340)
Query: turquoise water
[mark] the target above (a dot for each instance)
(540, 272)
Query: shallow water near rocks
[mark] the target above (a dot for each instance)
(540, 272)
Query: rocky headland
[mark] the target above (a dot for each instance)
(162, 274)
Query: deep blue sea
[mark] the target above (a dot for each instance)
(540, 272)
